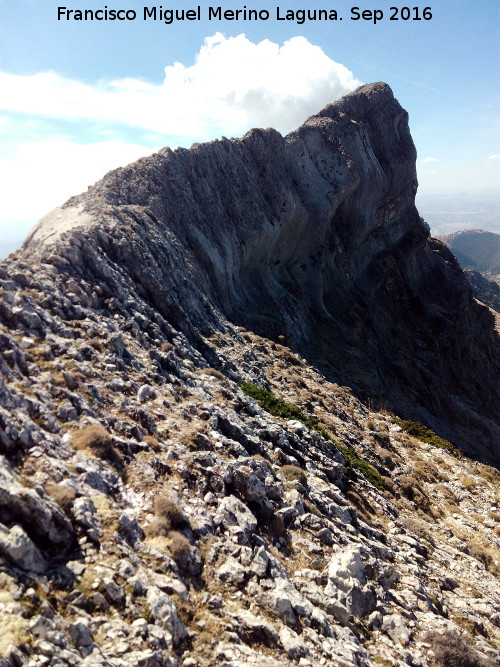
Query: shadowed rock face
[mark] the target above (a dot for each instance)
(314, 236)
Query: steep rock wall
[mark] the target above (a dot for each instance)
(313, 236)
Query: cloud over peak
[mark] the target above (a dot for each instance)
(233, 85)
(61, 134)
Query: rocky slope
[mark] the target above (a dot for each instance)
(180, 485)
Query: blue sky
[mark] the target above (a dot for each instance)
(78, 98)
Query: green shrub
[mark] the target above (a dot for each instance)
(354, 461)
(280, 408)
(425, 434)
(277, 406)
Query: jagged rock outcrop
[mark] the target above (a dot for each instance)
(176, 489)
(313, 236)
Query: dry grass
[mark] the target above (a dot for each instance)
(213, 372)
(175, 544)
(448, 496)
(95, 440)
(469, 483)
(489, 473)
(369, 513)
(62, 494)
(426, 471)
(259, 457)
(293, 474)
(96, 343)
(414, 492)
(167, 509)
(159, 527)
(481, 549)
(420, 528)
(13, 630)
(179, 548)
(107, 516)
(152, 442)
(451, 650)
(58, 379)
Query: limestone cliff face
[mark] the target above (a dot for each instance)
(313, 236)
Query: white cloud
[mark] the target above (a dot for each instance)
(233, 85)
(41, 175)
(494, 158)
(427, 160)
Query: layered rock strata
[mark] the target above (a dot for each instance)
(313, 236)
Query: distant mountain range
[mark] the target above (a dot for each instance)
(475, 249)
(478, 252)
(487, 291)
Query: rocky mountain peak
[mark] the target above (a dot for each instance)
(314, 237)
(237, 383)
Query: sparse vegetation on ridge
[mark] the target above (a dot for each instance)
(280, 408)
(354, 461)
(425, 434)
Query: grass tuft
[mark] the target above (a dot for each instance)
(95, 439)
(167, 509)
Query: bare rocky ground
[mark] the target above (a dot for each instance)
(153, 514)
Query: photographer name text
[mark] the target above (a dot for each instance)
(169, 16)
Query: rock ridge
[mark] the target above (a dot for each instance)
(313, 236)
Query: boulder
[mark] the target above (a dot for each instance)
(18, 547)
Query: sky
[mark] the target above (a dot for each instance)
(78, 98)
